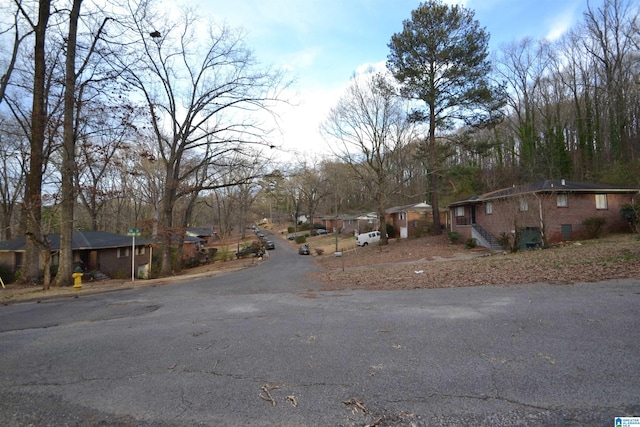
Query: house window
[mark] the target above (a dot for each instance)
(140, 250)
(524, 206)
(601, 201)
(488, 208)
(423, 214)
(562, 200)
(123, 252)
(459, 211)
(402, 216)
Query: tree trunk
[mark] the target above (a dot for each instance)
(433, 177)
(65, 269)
(33, 188)
(166, 219)
(383, 219)
(47, 267)
(166, 267)
(179, 242)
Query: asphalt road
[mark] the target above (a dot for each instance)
(264, 347)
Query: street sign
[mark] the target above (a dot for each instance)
(133, 232)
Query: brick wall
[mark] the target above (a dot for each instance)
(110, 263)
(507, 214)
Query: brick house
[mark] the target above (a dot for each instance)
(362, 223)
(206, 234)
(412, 220)
(349, 224)
(543, 212)
(93, 251)
(331, 223)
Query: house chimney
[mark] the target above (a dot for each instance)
(563, 182)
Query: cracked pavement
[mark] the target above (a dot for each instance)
(242, 348)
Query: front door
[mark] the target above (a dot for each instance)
(404, 232)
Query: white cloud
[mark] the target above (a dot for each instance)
(301, 123)
(560, 24)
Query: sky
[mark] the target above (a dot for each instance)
(322, 43)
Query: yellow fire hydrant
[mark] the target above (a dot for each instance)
(77, 279)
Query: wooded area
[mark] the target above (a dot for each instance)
(134, 119)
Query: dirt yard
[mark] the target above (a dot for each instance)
(433, 262)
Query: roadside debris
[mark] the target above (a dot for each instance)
(267, 389)
(355, 405)
(291, 398)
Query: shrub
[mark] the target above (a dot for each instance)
(470, 243)
(594, 226)
(301, 239)
(631, 214)
(190, 262)
(454, 236)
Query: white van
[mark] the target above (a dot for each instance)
(365, 238)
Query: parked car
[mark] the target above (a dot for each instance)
(268, 244)
(364, 239)
(304, 250)
(322, 231)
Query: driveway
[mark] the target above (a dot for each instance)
(265, 347)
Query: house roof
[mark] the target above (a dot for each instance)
(415, 207)
(362, 216)
(82, 240)
(187, 239)
(200, 231)
(548, 186)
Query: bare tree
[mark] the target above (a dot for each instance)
(272, 195)
(369, 129)
(233, 197)
(142, 179)
(523, 66)
(19, 36)
(96, 174)
(33, 189)
(13, 170)
(73, 103)
(613, 50)
(206, 98)
(315, 187)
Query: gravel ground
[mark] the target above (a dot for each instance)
(433, 262)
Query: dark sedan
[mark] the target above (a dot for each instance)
(304, 250)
